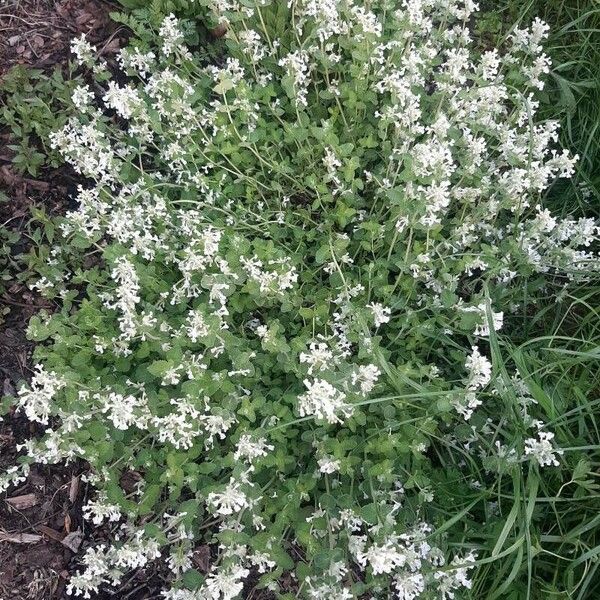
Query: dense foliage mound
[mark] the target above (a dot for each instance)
(282, 293)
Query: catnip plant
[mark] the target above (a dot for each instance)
(282, 290)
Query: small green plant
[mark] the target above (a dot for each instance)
(8, 238)
(32, 105)
(286, 302)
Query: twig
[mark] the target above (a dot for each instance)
(5, 16)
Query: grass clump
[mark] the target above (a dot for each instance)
(556, 345)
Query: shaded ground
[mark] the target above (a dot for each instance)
(38, 32)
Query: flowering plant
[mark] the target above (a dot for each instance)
(282, 290)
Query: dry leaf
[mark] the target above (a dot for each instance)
(73, 540)
(201, 558)
(23, 502)
(219, 31)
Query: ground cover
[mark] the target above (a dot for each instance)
(525, 361)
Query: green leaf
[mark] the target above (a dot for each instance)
(159, 367)
(150, 497)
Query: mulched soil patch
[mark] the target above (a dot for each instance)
(41, 524)
(39, 32)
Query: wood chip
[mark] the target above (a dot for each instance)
(201, 558)
(73, 540)
(19, 538)
(23, 502)
(74, 489)
(38, 185)
(68, 523)
(8, 389)
(51, 533)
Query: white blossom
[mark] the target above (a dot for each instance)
(324, 401)
(328, 465)
(36, 399)
(366, 377)
(231, 500)
(381, 314)
(479, 368)
(250, 449)
(541, 450)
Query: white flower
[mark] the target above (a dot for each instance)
(351, 520)
(181, 427)
(382, 558)
(319, 357)
(171, 35)
(179, 561)
(124, 100)
(83, 50)
(482, 329)
(250, 449)
(82, 96)
(480, 370)
(328, 465)
(231, 500)
(36, 400)
(408, 585)
(224, 584)
(298, 66)
(252, 45)
(331, 162)
(262, 562)
(100, 510)
(270, 281)
(366, 377)
(329, 592)
(136, 552)
(97, 567)
(123, 411)
(466, 406)
(216, 426)
(381, 314)
(327, 18)
(541, 450)
(367, 21)
(456, 578)
(324, 401)
(127, 296)
(13, 476)
(135, 59)
(197, 326)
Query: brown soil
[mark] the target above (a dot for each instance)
(38, 32)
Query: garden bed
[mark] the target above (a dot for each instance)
(303, 325)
